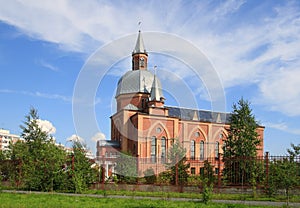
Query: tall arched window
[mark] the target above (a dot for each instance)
(153, 149)
(193, 150)
(163, 148)
(217, 150)
(202, 150)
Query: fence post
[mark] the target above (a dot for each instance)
(103, 172)
(176, 171)
(219, 172)
(267, 169)
(137, 169)
(20, 174)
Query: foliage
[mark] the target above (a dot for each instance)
(294, 151)
(126, 168)
(207, 180)
(164, 178)
(3, 168)
(178, 166)
(82, 173)
(150, 176)
(207, 190)
(240, 147)
(40, 165)
(194, 180)
(176, 152)
(38, 158)
(284, 173)
(208, 173)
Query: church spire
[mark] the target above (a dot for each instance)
(156, 95)
(139, 54)
(139, 46)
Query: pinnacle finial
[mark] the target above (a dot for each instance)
(139, 46)
(156, 92)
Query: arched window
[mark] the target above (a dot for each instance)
(193, 150)
(153, 149)
(224, 146)
(134, 148)
(163, 148)
(217, 150)
(142, 61)
(202, 150)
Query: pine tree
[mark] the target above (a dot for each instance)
(178, 166)
(38, 159)
(240, 147)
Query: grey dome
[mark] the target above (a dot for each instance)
(137, 81)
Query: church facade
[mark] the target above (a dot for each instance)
(145, 127)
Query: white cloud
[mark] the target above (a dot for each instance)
(47, 65)
(40, 94)
(228, 7)
(243, 51)
(283, 127)
(46, 126)
(75, 138)
(281, 92)
(98, 136)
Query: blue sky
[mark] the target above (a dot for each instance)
(254, 47)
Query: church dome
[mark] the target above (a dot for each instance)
(137, 81)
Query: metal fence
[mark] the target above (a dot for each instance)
(189, 172)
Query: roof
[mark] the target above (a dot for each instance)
(130, 107)
(139, 46)
(136, 81)
(156, 92)
(199, 115)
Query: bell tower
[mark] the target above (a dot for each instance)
(139, 55)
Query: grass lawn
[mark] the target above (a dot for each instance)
(55, 200)
(244, 197)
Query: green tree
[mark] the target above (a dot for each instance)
(150, 176)
(207, 180)
(240, 149)
(284, 173)
(294, 151)
(126, 168)
(83, 175)
(177, 163)
(208, 173)
(38, 160)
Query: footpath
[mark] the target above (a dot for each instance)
(263, 203)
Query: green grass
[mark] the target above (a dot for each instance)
(166, 195)
(55, 200)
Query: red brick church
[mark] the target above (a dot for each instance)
(144, 126)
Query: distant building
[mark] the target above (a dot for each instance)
(146, 128)
(6, 138)
(107, 152)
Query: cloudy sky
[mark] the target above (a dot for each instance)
(253, 46)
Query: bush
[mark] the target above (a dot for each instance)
(150, 176)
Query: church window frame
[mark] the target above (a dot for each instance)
(217, 149)
(201, 153)
(193, 145)
(163, 147)
(153, 149)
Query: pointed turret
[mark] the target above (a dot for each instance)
(156, 96)
(139, 46)
(156, 93)
(139, 54)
